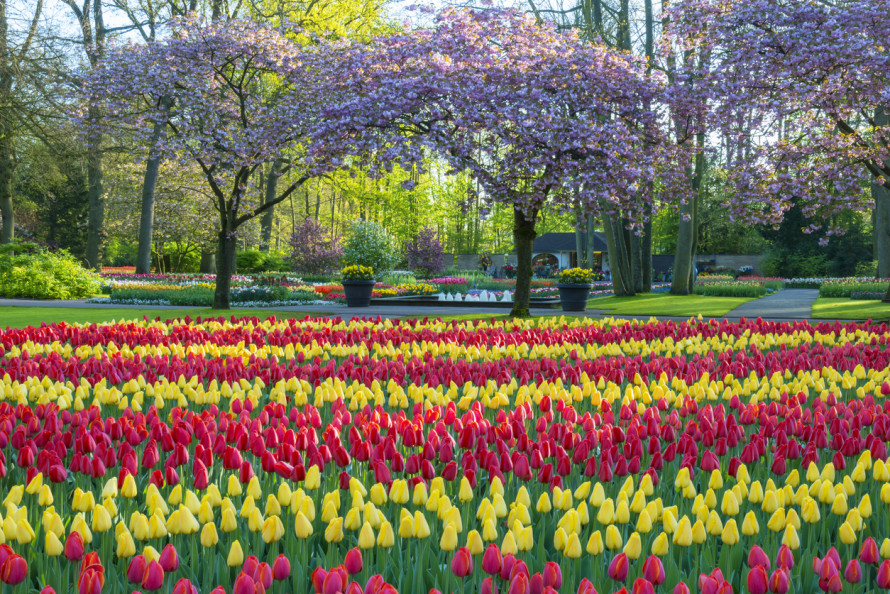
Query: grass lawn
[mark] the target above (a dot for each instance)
(19, 317)
(664, 304)
(850, 309)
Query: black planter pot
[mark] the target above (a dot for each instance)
(573, 297)
(358, 292)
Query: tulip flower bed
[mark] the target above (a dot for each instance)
(365, 456)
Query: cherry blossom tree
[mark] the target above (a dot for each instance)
(232, 96)
(536, 116)
(800, 93)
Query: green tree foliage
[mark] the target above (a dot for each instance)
(369, 244)
(793, 253)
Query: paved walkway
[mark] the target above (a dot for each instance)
(787, 304)
(783, 306)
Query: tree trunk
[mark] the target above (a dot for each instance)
(591, 238)
(228, 248)
(619, 257)
(646, 254)
(97, 208)
(208, 262)
(269, 216)
(580, 241)
(687, 232)
(523, 236)
(149, 183)
(7, 167)
(636, 260)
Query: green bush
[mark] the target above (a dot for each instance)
(253, 261)
(730, 289)
(369, 244)
(27, 271)
(866, 269)
(846, 287)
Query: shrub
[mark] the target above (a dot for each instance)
(313, 249)
(730, 289)
(27, 271)
(425, 254)
(866, 269)
(370, 245)
(845, 287)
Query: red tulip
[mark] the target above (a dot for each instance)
(281, 568)
(91, 561)
(318, 576)
(136, 569)
(492, 560)
(756, 557)
(14, 570)
(552, 573)
(853, 572)
(74, 550)
(354, 588)
(374, 584)
(250, 564)
(47, 590)
(90, 582)
(869, 553)
(153, 578)
(536, 584)
(779, 581)
(263, 575)
(757, 580)
(585, 587)
(642, 586)
(618, 567)
(244, 584)
(184, 586)
(169, 559)
(353, 561)
(653, 570)
(785, 558)
(681, 588)
(884, 574)
(489, 586)
(462, 562)
(518, 585)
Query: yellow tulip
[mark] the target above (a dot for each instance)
(333, 532)
(474, 543)
(273, 529)
(209, 537)
(526, 539)
(560, 538)
(366, 536)
(543, 506)
(865, 506)
(699, 534)
(37, 482)
(606, 513)
(101, 519)
(595, 544)
(847, 534)
(776, 522)
(406, 524)
(683, 534)
(660, 545)
(634, 546)
(613, 538)
(791, 538)
(885, 548)
(126, 548)
(509, 545)
(45, 496)
(378, 495)
(302, 526)
(421, 527)
(448, 542)
(54, 546)
(465, 494)
(730, 505)
(313, 478)
(730, 534)
(236, 555)
(420, 494)
(810, 511)
(386, 536)
(573, 547)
